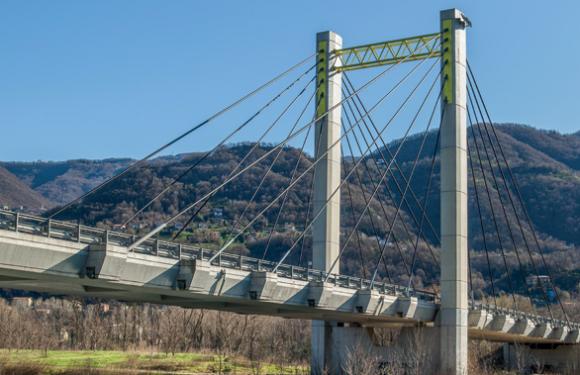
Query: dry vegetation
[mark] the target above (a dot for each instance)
(62, 334)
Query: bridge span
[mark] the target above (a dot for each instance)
(63, 258)
(48, 255)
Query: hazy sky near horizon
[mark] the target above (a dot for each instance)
(98, 79)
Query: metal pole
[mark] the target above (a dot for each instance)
(453, 149)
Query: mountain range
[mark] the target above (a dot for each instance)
(546, 165)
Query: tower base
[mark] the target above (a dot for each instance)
(351, 349)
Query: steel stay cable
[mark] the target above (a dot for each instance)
(294, 171)
(490, 202)
(374, 185)
(281, 144)
(409, 182)
(304, 173)
(374, 143)
(228, 137)
(366, 203)
(265, 175)
(358, 162)
(397, 166)
(246, 156)
(425, 198)
(362, 261)
(387, 188)
(493, 292)
(515, 184)
(183, 135)
(241, 162)
(520, 199)
(502, 204)
(311, 192)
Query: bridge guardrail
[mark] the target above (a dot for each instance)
(64, 230)
(19, 222)
(520, 314)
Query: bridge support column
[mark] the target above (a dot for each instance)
(453, 149)
(366, 350)
(326, 229)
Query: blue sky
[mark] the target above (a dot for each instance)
(97, 79)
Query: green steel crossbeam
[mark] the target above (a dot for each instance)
(390, 52)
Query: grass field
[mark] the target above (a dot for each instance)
(29, 362)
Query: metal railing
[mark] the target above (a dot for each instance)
(25, 223)
(537, 319)
(63, 230)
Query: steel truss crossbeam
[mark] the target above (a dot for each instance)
(390, 52)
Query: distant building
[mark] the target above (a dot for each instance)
(538, 281)
(218, 212)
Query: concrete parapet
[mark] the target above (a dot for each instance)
(368, 301)
(502, 323)
(263, 285)
(407, 306)
(559, 333)
(523, 326)
(573, 337)
(105, 262)
(479, 319)
(185, 274)
(542, 330)
(205, 276)
(320, 294)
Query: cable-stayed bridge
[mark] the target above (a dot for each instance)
(348, 143)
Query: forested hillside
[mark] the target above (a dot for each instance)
(545, 163)
(15, 193)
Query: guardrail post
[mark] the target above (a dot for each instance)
(157, 246)
(179, 251)
(201, 253)
(106, 237)
(292, 272)
(240, 260)
(259, 264)
(16, 221)
(48, 227)
(79, 232)
(220, 259)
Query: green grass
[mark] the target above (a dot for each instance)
(61, 362)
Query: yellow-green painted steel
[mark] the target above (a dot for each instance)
(321, 77)
(447, 54)
(390, 52)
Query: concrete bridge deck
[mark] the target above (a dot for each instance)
(64, 258)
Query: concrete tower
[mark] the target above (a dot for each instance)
(326, 229)
(453, 148)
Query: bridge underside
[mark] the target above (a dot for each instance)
(57, 266)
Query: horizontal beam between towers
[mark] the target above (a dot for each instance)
(389, 52)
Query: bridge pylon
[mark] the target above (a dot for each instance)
(453, 319)
(327, 178)
(331, 338)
